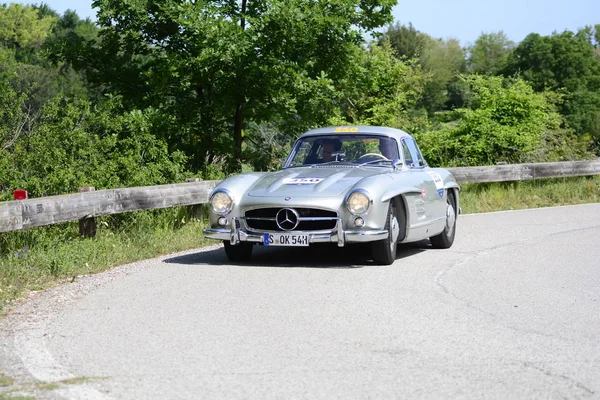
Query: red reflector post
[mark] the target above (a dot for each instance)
(20, 194)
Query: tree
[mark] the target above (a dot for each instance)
(24, 60)
(21, 26)
(440, 59)
(592, 34)
(13, 119)
(566, 62)
(490, 53)
(212, 65)
(74, 143)
(507, 122)
(380, 89)
(407, 41)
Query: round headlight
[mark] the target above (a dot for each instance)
(358, 203)
(221, 203)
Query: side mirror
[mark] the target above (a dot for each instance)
(397, 163)
(339, 156)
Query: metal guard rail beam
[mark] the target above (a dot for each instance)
(22, 214)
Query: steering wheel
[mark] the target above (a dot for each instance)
(374, 155)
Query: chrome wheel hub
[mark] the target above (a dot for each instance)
(395, 231)
(450, 219)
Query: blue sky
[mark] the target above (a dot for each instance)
(467, 19)
(463, 19)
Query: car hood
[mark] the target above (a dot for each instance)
(323, 181)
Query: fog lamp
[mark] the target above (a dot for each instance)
(359, 222)
(222, 221)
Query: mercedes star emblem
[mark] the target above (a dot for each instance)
(287, 219)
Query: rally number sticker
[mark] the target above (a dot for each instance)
(346, 129)
(439, 183)
(301, 181)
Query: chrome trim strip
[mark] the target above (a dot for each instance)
(338, 236)
(433, 221)
(317, 218)
(235, 236)
(217, 234)
(365, 236)
(340, 233)
(263, 207)
(299, 219)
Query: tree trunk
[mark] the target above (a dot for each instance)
(238, 123)
(237, 135)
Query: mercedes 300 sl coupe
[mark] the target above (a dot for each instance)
(344, 185)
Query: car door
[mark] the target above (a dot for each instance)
(426, 205)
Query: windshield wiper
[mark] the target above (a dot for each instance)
(375, 161)
(329, 163)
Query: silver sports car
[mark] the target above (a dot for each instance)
(339, 185)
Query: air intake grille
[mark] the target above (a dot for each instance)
(309, 219)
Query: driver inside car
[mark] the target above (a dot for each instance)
(330, 147)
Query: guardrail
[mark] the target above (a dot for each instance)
(522, 172)
(84, 206)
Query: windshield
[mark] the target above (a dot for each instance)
(348, 149)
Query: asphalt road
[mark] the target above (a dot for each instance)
(512, 310)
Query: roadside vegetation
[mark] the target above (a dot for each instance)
(501, 196)
(154, 93)
(38, 258)
(11, 390)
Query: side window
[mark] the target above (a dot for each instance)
(420, 156)
(415, 154)
(408, 160)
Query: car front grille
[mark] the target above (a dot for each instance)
(309, 219)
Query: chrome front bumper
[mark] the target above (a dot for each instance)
(338, 235)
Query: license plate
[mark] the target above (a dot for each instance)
(284, 239)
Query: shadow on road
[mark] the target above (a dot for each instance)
(315, 256)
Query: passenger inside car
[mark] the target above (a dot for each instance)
(388, 148)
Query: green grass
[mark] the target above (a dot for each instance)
(38, 258)
(5, 381)
(9, 389)
(58, 384)
(487, 197)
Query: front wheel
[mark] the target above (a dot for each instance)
(384, 251)
(238, 253)
(445, 239)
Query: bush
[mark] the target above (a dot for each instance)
(507, 122)
(75, 144)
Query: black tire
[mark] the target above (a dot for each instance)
(384, 251)
(240, 252)
(445, 239)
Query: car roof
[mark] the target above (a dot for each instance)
(349, 129)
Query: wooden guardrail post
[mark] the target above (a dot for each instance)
(87, 226)
(195, 211)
